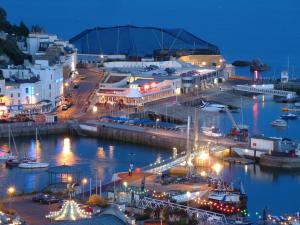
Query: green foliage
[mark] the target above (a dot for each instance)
(37, 29)
(142, 217)
(10, 48)
(96, 200)
(5, 26)
(2, 14)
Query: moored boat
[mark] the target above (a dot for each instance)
(279, 123)
(211, 131)
(289, 116)
(33, 165)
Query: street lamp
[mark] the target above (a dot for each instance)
(196, 86)
(84, 182)
(156, 121)
(188, 195)
(217, 167)
(11, 191)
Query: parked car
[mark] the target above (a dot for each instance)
(50, 199)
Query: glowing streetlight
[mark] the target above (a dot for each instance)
(203, 174)
(203, 155)
(125, 183)
(11, 191)
(217, 168)
(156, 121)
(84, 182)
(70, 179)
(95, 109)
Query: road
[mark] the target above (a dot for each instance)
(81, 96)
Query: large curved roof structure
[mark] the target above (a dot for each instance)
(140, 41)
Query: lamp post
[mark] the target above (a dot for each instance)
(156, 121)
(84, 182)
(188, 195)
(70, 179)
(11, 191)
(196, 86)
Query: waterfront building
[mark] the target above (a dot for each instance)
(31, 88)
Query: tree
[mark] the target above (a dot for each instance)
(2, 14)
(96, 200)
(37, 29)
(23, 30)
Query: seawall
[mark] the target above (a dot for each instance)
(279, 162)
(29, 128)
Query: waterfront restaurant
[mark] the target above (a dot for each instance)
(141, 91)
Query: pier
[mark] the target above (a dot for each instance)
(265, 89)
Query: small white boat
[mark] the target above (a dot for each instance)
(224, 197)
(33, 165)
(297, 104)
(213, 107)
(279, 123)
(6, 156)
(289, 116)
(211, 131)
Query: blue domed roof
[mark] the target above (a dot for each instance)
(139, 41)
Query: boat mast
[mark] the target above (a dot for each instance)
(9, 138)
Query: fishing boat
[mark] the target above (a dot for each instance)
(279, 123)
(211, 131)
(289, 116)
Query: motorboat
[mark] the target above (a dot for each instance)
(279, 123)
(12, 162)
(212, 107)
(289, 116)
(211, 131)
(225, 197)
(33, 165)
(297, 104)
(6, 156)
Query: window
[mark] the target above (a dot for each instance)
(0, 90)
(49, 86)
(11, 95)
(26, 90)
(19, 95)
(19, 102)
(49, 94)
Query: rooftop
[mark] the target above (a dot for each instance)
(140, 41)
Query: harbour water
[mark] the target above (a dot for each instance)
(277, 190)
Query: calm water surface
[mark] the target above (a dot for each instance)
(278, 190)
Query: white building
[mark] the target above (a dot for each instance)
(32, 86)
(44, 46)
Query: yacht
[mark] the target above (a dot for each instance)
(279, 123)
(289, 116)
(224, 197)
(211, 131)
(33, 165)
(212, 107)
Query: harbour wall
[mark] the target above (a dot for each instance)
(279, 162)
(29, 128)
(149, 136)
(133, 136)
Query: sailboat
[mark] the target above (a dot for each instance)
(33, 164)
(6, 155)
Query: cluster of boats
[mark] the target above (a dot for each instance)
(24, 162)
(282, 122)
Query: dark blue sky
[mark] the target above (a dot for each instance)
(269, 29)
